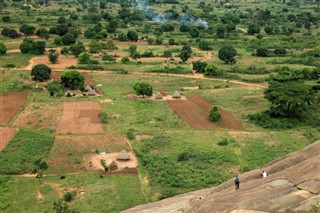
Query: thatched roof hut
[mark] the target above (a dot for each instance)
(159, 96)
(123, 155)
(113, 165)
(176, 94)
(91, 92)
(88, 88)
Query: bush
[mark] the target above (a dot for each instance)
(104, 117)
(69, 196)
(205, 45)
(227, 54)
(214, 115)
(41, 72)
(72, 79)
(84, 58)
(3, 48)
(262, 52)
(130, 134)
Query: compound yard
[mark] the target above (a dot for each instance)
(10, 104)
(68, 152)
(81, 118)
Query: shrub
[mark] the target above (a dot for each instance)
(41, 72)
(69, 196)
(84, 58)
(205, 45)
(214, 115)
(104, 117)
(3, 48)
(227, 54)
(262, 52)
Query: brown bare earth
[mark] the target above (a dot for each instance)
(92, 161)
(67, 152)
(80, 117)
(10, 104)
(195, 112)
(293, 185)
(64, 62)
(40, 115)
(6, 133)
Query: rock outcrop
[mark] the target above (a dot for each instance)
(293, 185)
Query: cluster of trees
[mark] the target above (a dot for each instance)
(28, 45)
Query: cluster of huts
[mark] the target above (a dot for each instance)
(162, 94)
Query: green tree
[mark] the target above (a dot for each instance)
(167, 54)
(42, 32)
(60, 207)
(95, 46)
(132, 35)
(27, 45)
(143, 89)
(132, 49)
(68, 39)
(39, 47)
(194, 32)
(227, 54)
(62, 20)
(199, 66)
(55, 88)
(125, 60)
(269, 29)
(204, 45)
(220, 31)
(39, 167)
(27, 29)
(77, 48)
(53, 56)
(57, 40)
(212, 70)
(253, 29)
(262, 52)
(72, 79)
(214, 115)
(122, 37)
(3, 48)
(41, 72)
(289, 98)
(84, 58)
(184, 55)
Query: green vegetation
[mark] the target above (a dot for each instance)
(24, 149)
(40, 72)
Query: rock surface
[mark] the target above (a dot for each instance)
(293, 185)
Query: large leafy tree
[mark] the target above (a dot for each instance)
(39, 167)
(41, 72)
(228, 54)
(289, 98)
(27, 29)
(72, 79)
(143, 89)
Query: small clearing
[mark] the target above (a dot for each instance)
(6, 133)
(10, 104)
(63, 63)
(67, 153)
(81, 118)
(92, 162)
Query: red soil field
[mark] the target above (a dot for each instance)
(195, 112)
(10, 104)
(80, 117)
(6, 133)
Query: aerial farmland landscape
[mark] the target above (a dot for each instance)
(155, 106)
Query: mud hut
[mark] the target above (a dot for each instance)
(159, 96)
(91, 92)
(88, 88)
(123, 155)
(176, 94)
(113, 165)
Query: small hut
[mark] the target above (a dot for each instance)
(162, 93)
(176, 94)
(159, 96)
(91, 92)
(123, 155)
(113, 165)
(88, 88)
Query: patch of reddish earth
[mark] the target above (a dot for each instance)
(195, 111)
(80, 118)
(10, 104)
(6, 133)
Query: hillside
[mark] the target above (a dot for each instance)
(293, 185)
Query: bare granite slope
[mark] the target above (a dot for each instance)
(293, 185)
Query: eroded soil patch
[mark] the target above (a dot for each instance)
(10, 104)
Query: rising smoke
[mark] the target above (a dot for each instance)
(153, 15)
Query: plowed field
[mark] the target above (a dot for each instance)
(80, 117)
(195, 111)
(10, 104)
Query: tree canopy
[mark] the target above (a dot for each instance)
(41, 72)
(228, 54)
(72, 79)
(143, 89)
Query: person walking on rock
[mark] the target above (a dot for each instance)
(237, 182)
